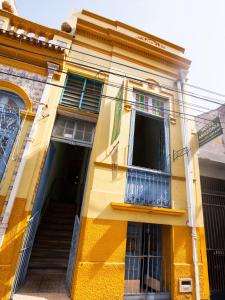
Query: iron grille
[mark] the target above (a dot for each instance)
(213, 199)
(82, 93)
(147, 187)
(145, 268)
(9, 126)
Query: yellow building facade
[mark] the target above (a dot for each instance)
(99, 155)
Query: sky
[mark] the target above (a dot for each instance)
(196, 25)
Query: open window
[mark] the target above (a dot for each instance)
(149, 137)
(149, 149)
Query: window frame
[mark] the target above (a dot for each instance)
(135, 111)
(84, 79)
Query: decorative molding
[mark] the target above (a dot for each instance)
(115, 37)
(125, 57)
(132, 29)
(27, 115)
(109, 165)
(69, 111)
(147, 209)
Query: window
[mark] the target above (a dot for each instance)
(82, 93)
(149, 139)
(149, 149)
(74, 131)
(10, 105)
(148, 174)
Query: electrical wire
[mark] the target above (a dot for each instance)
(127, 66)
(179, 114)
(113, 84)
(212, 100)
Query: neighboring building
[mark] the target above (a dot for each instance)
(118, 192)
(212, 171)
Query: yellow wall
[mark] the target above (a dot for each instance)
(10, 250)
(99, 271)
(182, 266)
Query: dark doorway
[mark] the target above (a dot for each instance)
(59, 205)
(64, 191)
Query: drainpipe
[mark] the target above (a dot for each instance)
(189, 183)
(52, 68)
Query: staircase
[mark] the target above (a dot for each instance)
(52, 243)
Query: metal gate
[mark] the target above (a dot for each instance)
(213, 199)
(145, 268)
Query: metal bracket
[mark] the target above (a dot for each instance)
(180, 152)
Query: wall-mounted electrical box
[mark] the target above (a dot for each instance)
(185, 285)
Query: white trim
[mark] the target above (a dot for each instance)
(52, 68)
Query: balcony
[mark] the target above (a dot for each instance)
(148, 188)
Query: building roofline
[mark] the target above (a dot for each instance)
(131, 28)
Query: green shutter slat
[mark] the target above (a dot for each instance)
(82, 93)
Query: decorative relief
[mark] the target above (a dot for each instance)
(151, 42)
(33, 88)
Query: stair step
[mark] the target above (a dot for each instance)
(45, 252)
(58, 220)
(47, 271)
(55, 235)
(56, 226)
(43, 242)
(53, 240)
(39, 264)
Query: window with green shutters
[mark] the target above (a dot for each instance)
(82, 93)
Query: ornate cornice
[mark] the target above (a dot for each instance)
(132, 29)
(135, 45)
(126, 58)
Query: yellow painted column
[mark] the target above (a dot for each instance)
(100, 266)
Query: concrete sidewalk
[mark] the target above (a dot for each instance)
(43, 286)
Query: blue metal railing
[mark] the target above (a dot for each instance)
(148, 187)
(73, 254)
(25, 252)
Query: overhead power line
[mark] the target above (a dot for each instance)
(114, 84)
(212, 100)
(178, 114)
(99, 70)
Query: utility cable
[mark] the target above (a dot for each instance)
(113, 84)
(118, 99)
(212, 100)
